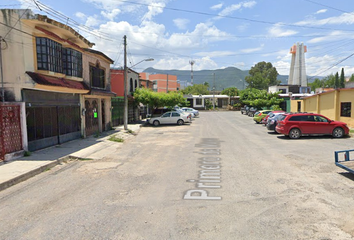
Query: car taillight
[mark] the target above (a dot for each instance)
(260, 114)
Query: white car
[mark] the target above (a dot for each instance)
(172, 117)
(191, 110)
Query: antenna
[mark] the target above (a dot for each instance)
(191, 63)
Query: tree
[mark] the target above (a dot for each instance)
(342, 79)
(260, 98)
(231, 91)
(159, 99)
(336, 81)
(317, 83)
(196, 89)
(351, 79)
(262, 75)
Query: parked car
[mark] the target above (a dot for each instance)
(296, 125)
(270, 115)
(273, 120)
(244, 109)
(258, 116)
(172, 117)
(184, 113)
(191, 110)
(251, 111)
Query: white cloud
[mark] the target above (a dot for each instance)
(181, 23)
(92, 21)
(81, 16)
(217, 6)
(332, 36)
(111, 14)
(234, 7)
(277, 31)
(153, 10)
(251, 50)
(321, 11)
(345, 18)
(216, 54)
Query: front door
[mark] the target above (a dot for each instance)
(91, 117)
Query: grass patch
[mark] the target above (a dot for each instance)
(85, 159)
(115, 139)
(27, 154)
(130, 131)
(351, 131)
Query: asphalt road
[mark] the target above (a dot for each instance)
(221, 177)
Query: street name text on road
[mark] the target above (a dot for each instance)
(210, 172)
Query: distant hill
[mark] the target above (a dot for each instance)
(224, 78)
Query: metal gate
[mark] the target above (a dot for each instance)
(91, 116)
(10, 130)
(117, 111)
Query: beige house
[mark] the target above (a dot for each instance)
(63, 83)
(336, 105)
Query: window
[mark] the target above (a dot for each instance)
(345, 109)
(166, 115)
(72, 62)
(198, 101)
(174, 114)
(97, 76)
(131, 85)
(300, 118)
(51, 56)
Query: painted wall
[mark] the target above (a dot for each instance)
(329, 104)
(346, 96)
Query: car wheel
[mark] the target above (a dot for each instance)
(180, 122)
(295, 133)
(156, 123)
(338, 132)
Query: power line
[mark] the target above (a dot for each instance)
(231, 17)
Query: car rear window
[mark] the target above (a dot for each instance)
(281, 117)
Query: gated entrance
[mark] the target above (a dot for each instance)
(10, 129)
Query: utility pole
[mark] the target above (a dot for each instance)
(167, 85)
(1, 75)
(125, 116)
(191, 63)
(214, 93)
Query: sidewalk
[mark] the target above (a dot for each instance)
(13, 172)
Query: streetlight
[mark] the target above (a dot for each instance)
(125, 118)
(144, 60)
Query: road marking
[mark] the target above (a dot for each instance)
(210, 172)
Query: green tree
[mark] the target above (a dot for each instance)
(262, 75)
(196, 89)
(336, 80)
(159, 99)
(231, 91)
(342, 79)
(317, 83)
(260, 98)
(351, 79)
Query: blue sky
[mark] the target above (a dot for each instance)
(215, 34)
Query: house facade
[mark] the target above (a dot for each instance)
(162, 82)
(336, 105)
(117, 82)
(48, 68)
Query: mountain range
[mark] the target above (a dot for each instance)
(224, 78)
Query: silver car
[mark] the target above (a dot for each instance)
(191, 110)
(172, 117)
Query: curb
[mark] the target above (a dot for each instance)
(32, 173)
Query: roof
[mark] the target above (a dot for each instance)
(99, 53)
(57, 82)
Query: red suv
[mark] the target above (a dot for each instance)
(296, 125)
